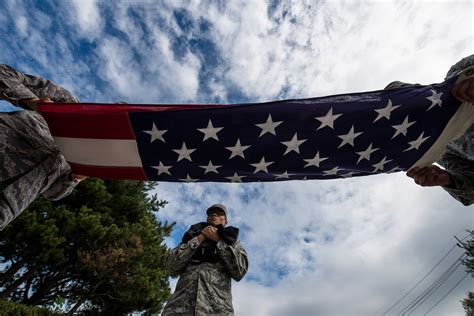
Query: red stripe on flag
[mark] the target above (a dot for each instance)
(90, 125)
(114, 107)
(100, 120)
(111, 173)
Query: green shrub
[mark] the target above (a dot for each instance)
(16, 309)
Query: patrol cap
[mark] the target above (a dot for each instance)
(219, 207)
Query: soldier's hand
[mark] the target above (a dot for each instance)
(211, 233)
(78, 178)
(33, 102)
(429, 176)
(464, 90)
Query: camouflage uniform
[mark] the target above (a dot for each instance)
(30, 162)
(459, 157)
(205, 288)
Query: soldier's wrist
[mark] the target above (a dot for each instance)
(30, 102)
(449, 180)
(200, 238)
(451, 183)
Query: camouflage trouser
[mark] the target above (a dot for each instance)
(30, 162)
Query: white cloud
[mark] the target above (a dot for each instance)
(141, 66)
(88, 17)
(20, 21)
(21, 24)
(318, 48)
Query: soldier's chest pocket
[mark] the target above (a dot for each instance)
(219, 278)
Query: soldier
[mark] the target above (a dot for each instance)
(458, 176)
(205, 263)
(30, 162)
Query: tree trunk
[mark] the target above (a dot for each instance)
(26, 290)
(46, 286)
(14, 268)
(78, 304)
(84, 298)
(9, 290)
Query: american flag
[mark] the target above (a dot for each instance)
(330, 137)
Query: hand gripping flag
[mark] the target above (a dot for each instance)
(330, 137)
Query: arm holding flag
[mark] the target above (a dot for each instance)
(13, 88)
(458, 177)
(27, 90)
(33, 164)
(63, 184)
(461, 172)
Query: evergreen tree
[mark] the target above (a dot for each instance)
(468, 302)
(100, 249)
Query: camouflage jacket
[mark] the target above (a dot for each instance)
(204, 289)
(30, 162)
(15, 86)
(458, 159)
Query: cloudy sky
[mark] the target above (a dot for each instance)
(334, 247)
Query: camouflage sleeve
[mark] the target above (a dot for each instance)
(460, 169)
(462, 175)
(61, 185)
(235, 259)
(12, 85)
(15, 86)
(460, 66)
(179, 257)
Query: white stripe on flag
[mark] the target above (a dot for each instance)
(100, 152)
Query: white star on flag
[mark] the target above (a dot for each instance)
(293, 144)
(155, 133)
(210, 168)
(162, 168)
(314, 161)
(284, 175)
(402, 128)
(435, 99)
(269, 126)
(184, 152)
(262, 165)
(235, 178)
(380, 164)
(366, 153)
(417, 143)
(393, 170)
(189, 179)
(386, 111)
(210, 131)
(347, 175)
(348, 138)
(327, 120)
(333, 171)
(237, 150)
